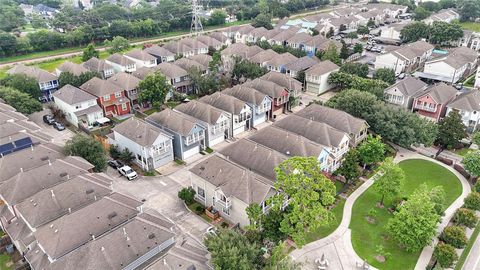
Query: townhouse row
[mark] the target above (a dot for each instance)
(60, 215)
(243, 172)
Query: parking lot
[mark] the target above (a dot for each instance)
(59, 137)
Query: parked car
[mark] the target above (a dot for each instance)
(401, 76)
(115, 164)
(371, 63)
(128, 172)
(58, 126)
(48, 119)
(211, 231)
(458, 86)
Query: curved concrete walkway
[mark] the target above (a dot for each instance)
(337, 247)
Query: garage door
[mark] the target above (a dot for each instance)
(191, 152)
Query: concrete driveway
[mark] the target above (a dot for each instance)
(59, 137)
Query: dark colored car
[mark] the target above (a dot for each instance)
(48, 119)
(58, 126)
(115, 164)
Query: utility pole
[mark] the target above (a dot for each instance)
(196, 28)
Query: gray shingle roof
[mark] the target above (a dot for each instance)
(187, 64)
(299, 38)
(140, 55)
(170, 70)
(233, 179)
(173, 120)
(125, 81)
(283, 80)
(99, 87)
(335, 118)
(322, 68)
(218, 36)
(282, 59)
(409, 86)
(120, 60)
(142, 72)
(96, 65)
(158, 51)
(202, 59)
(75, 69)
(469, 101)
(38, 74)
(440, 92)
(224, 102)
(302, 63)
(73, 95)
(209, 41)
(201, 111)
(264, 56)
(246, 94)
(140, 131)
(267, 87)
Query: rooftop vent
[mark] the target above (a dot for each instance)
(63, 174)
(112, 215)
(44, 158)
(151, 236)
(89, 191)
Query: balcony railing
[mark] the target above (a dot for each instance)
(220, 203)
(395, 101)
(195, 139)
(426, 108)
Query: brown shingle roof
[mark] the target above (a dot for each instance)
(409, 86)
(440, 92)
(72, 95)
(125, 81)
(99, 87)
(75, 69)
(120, 60)
(140, 131)
(173, 120)
(38, 74)
(246, 94)
(224, 102)
(201, 111)
(322, 68)
(468, 101)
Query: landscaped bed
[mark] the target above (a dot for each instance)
(367, 237)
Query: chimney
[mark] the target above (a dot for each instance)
(21, 169)
(93, 238)
(49, 163)
(53, 194)
(69, 210)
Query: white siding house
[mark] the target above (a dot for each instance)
(316, 77)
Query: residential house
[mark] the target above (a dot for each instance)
(189, 64)
(477, 78)
(391, 10)
(337, 24)
(335, 141)
(392, 33)
(284, 35)
(226, 41)
(229, 188)
(260, 103)
(188, 134)
(178, 77)
(316, 77)
(315, 43)
(240, 50)
(344, 12)
(376, 16)
(406, 58)
(143, 72)
(278, 63)
(197, 46)
(129, 83)
(100, 66)
(141, 58)
(279, 95)
(216, 122)
(47, 82)
(79, 107)
(293, 86)
(210, 42)
(294, 68)
(67, 66)
(202, 59)
(179, 49)
(403, 92)
(263, 57)
(242, 32)
(240, 111)
(292, 145)
(299, 40)
(432, 103)
(458, 64)
(302, 23)
(256, 35)
(121, 63)
(110, 97)
(356, 128)
(468, 105)
(151, 146)
(162, 54)
(444, 15)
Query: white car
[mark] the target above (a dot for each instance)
(128, 172)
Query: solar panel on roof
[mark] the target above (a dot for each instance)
(6, 149)
(27, 141)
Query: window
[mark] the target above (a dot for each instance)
(200, 192)
(124, 106)
(118, 94)
(106, 98)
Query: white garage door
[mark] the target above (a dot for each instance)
(191, 152)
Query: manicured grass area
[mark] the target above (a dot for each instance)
(3, 72)
(467, 249)
(151, 111)
(366, 236)
(339, 186)
(462, 152)
(4, 259)
(471, 26)
(324, 231)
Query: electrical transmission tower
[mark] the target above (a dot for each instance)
(196, 27)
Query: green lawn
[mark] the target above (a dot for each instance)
(4, 259)
(462, 152)
(324, 231)
(471, 26)
(366, 237)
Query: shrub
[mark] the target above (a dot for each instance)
(187, 195)
(476, 187)
(224, 224)
(372, 212)
(199, 209)
(461, 170)
(445, 254)
(114, 151)
(447, 161)
(472, 201)
(455, 236)
(465, 217)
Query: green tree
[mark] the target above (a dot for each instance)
(420, 13)
(8, 44)
(22, 102)
(437, 196)
(451, 130)
(330, 32)
(271, 225)
(443, 32)
(370, 23)
(89, 149)
(217, 17)
(385, 74)
(117, 44)
(69, 78)
(244, 69)
(472, 201)
(89, 52)
(114, 151)
(344, 52)
(263, 20)
(391, 179)
(301, 76)
(232, 250)
(444, 4)
(465, 217)
(331, 54)
(254, 213)
(23, 83)
(349, 167)
(309, 193)
(455, 236)
(187, 195)
(371, 151)
(414, 31)
(476, 138)
(469, 10)
(471, 162)
(126, 156)
(445, 255)
(363, 30)
(355, 68)
(11, 16)
(351, 36)
(38, 21)
(345, 80)
(154, 88)
(414, 225)
(279, 260)
(358, 48)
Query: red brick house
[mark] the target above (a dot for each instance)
(432, 103)
(110, 97)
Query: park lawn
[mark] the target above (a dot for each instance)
(324, 231)
(4, 259)
(462, 152)
(473, 26)
(366, 237)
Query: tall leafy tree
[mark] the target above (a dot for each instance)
(88, 148)
(358, 48)
(232, 250)
(331, 54)
(414, 31)
(254, 213)
(471, 161)
(217, 17)
(344, 51)
(385, 74)
(89, 52)
(244, 69)
(154, 89)
(451, 130)
(309, 193)
(476, 138)
(23, 83)
(391, 179)
(355, 68)
(414, 225)
(469, 9)
(371, 151)
(117, 44)
(263, 20)
(69, 78)
(22, 102)
(420, 13)
(443, 32)
(349, 168)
